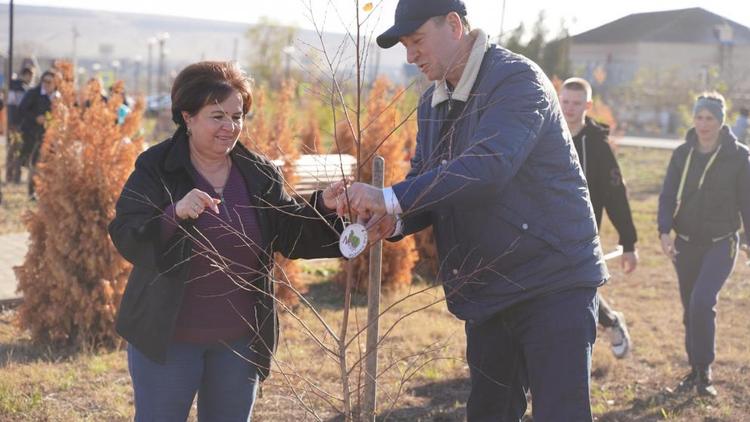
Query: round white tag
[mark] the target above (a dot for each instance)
(353, 240)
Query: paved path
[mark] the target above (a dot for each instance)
(12, 251)
(633, 141)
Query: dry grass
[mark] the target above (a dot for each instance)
(45, 384)
(15, 203)
(15, 199)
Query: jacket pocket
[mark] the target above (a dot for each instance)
(494, 248)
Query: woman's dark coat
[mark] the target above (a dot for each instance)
(164, 174)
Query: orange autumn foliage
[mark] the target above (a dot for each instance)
(601, 112)
(381, 119)
(427, 265)
(273, 134)
(424, 241)
(311, 136)
(72, 278)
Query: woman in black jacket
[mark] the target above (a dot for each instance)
(200, 218)
(706, 194)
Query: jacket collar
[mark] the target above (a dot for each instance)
(593, 128)
(726, 137)
(178, 156)
(469, 75)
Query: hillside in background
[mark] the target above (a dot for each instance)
(103, 36)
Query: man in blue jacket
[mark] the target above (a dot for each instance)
(497, 177)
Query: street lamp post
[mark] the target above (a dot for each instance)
(150, 66)
(76, 35)
(288, 53)
(9, 75)
(81, 73)
(137, 74)
(162, 38)
(725, 35)
(115, 64)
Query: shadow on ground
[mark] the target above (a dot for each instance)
(662, 405)
(330, 296)
(446, 402)
(24, 350)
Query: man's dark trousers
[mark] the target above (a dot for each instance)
(543, 344)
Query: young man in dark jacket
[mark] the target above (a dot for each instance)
(607, 189)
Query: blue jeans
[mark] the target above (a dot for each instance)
(225, 382)
(543, 345)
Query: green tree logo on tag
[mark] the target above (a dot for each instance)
(353, 240)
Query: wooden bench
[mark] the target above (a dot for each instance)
(316, 171)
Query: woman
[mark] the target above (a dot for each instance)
(706, 190)
(200, 218)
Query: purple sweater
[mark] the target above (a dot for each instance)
(219, 300)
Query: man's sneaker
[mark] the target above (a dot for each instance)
(620, 337)
(704, 385)
(688, 382)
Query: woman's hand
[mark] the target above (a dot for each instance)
(194, 203)
(667, 246)
(331, 193)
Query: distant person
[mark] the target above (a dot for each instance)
(17, 90)
(32, 112)
(124, 108)
(706, 194)
(195, 200)
(94, 83)
(742, 125)
(607, 189)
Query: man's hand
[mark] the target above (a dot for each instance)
(332, 193)
(629, 261)
(40, 119)
(667, 246)
(380, 227)
(363, 200)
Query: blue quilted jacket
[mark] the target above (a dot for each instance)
(503, 191)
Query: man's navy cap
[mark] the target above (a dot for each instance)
(411, 14)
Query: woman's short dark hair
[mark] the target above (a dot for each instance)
(207, 82)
